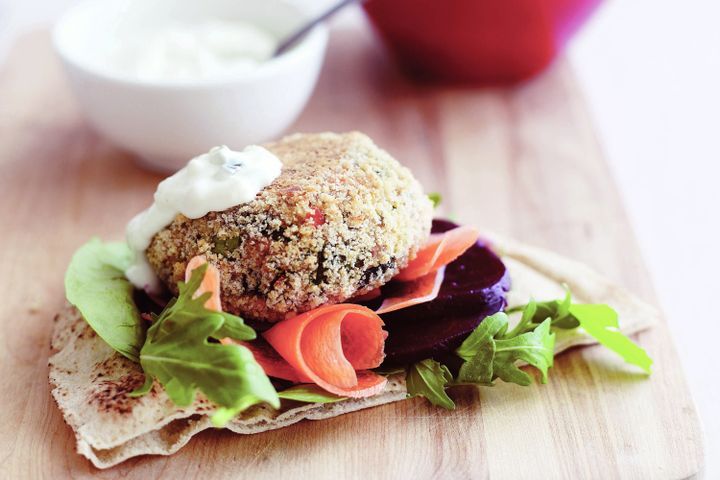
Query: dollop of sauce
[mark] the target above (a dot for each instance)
(211, 182)
(205, 50)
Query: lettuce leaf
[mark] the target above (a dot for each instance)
(310, 393)
(435, 198)
(95, 284)
(478, 351)
(534, 313)
(178, 354)
(429, 379)
(601, 322)
(491, 351)
(536, 348)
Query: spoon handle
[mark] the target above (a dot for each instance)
(290, 40)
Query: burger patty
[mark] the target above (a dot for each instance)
(342, 219)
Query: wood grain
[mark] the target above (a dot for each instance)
(520, 161)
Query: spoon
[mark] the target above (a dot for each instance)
(286, 43)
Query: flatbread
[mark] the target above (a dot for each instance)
(90, 381)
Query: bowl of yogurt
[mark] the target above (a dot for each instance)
(169, 79)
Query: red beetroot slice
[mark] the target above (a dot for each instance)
(475, 286)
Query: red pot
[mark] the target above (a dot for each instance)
(481, 41)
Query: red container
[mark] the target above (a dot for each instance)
(478, 41)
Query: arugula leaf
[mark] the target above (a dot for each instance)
(428, 379)
(234, 327)
(178, 354)
(478, 351)
(223, 415)
(185, 307)
(435, 198)
(598, 320)
(490, 327)
(489, 353)
(526, 321)
(301, 393)
(535, 347)
(534, 313)
(95, 284)
(309, 393)
(601, 322)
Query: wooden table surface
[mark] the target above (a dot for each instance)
(523, 162)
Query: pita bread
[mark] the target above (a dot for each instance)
(90, 381)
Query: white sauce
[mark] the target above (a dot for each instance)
(211, 182)
(207, 50)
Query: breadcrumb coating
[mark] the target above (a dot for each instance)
(342, 219)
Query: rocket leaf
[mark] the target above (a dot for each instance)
(309, 393)
(489, 354)
(428, 379)
(601, 322)
(178, 354)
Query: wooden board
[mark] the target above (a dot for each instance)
(521, 161)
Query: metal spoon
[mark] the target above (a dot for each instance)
(290, 40)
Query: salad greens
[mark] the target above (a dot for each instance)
(429, 379)
(307, 393)
(176, 350)
(435, 198)
(597, 320)
(95, 284)
(310, 393)
(180, 349)
(491, 352)
(601, 322)
(178, 354)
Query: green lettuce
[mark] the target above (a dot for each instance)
(309, 393)
(435, 198)
(489, 354)
(600, 321)
(95, 284)
(491, 351)
(429, 379)
(178, 354)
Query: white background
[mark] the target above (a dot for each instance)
(651, 72)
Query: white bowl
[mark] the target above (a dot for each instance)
(168, 122)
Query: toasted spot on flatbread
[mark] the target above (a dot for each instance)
(112, 395)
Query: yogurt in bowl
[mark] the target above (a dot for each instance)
(191, 52)
(170, 79)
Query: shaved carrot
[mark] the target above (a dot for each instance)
(210, 282)
(324, 346)
(272, 364)
(327, 345)
(414, 292)
(441, 249)
(266, 357)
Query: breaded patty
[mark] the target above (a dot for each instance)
(342, 218)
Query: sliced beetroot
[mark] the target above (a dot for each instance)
(475, 286)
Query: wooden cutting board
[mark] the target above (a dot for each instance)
(523, 162)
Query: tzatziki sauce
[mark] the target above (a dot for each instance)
(212, 49)
(211, 182)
